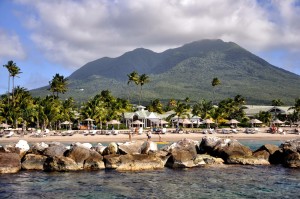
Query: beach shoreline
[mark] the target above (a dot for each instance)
(168, 137)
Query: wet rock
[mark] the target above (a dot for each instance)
(269, 152)
(204, 159)
(10, 162)
(183, 153)
(138, 162)
(224, 148)
(33, 162)
(94, 161)
(112, 161)
(60, 163)
(291, 156)
(247, 160)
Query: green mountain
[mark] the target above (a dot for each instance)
(186, 71)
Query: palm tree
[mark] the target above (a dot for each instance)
(202, 109)
(132, 78)
(277, 102)
(15, 70)
(155, 106)
(58, 84)
(215, 82)
(181, 110)
(143, 79)
(296, 108)
(9, 66)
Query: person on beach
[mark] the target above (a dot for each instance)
(130, 136)
(149, 135)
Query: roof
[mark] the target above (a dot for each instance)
(255, 109)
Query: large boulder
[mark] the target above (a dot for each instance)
(38, 148)
(10, 162)
(138, 162)
(133, 147)
(23, 146)
(183, 154)
(269, 152)
(33, 162)
(112, 161)
(224, 148)
(291, 156)
(94, 161)
(112, 148)
(79, 154)
(55, 149)
(60, 163)
(99, 148)
(149, 147)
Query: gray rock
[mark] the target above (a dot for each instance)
(183, 153)
(99, 148)
(134, 147)
(33, 162)
(149, 147)
(94, 161)
(291, 156)
(247, 160)
(204, 159)
(112, 161)
(79, 154)
(60, 164)
(55, 150)
(38, 148)
(138, 162)
(10, 162)
(112, 148)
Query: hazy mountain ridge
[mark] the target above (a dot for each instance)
(187, 71)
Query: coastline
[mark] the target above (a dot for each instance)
(168, 137)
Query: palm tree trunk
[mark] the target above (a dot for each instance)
(13, 88)
(8, 88)
(140, 95)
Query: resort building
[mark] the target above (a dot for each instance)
(253, 110)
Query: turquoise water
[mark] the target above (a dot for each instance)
(226, 181)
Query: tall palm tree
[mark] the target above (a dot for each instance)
(155, 106)
(181, 110)
(133, 77)
(202, 109)
(15, 70)
(143, 79)
(9, 66)
(215, 82)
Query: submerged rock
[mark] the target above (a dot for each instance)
(250, 160)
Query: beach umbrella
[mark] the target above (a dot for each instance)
(233, 122)
(89, 120)
(67, 123)
(208, 122)
(113, 122)
(277, 121)
(185, 121)
(255, 121)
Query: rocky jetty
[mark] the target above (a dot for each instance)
(143, 155)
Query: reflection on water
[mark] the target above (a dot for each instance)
(203, 182)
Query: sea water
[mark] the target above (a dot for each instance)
(225, 181)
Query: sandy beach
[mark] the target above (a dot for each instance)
(168, 137)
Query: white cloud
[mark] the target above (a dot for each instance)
(11, 46)
(73, 32)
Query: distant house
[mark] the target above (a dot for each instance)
(252, 110)
(146, 117)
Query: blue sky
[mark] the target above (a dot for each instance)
(59, 36)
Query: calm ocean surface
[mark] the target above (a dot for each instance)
(226, 181)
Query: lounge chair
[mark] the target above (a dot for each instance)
(11, 133)
(115, 132)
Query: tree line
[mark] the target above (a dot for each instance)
(19, 108)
